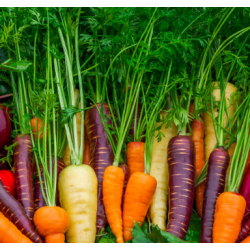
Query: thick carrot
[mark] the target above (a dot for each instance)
(23, 173)
(229, 212)
(214, 186)
(13, 210)
(197, 127)
(101, 154)
(9, 232)
(138, 196)
(135, 157)
(181, 184)
(38, 195)
(247, 240)
(52, 223)
(113, 182)
(159, 170)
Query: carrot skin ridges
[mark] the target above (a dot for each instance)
(38, 195)
(135, 157)
(229, 212)
(23, 173)
(138, 196)
(13, 210)
(214, 185)
(101, 154)
(181, 184)
(113, 183)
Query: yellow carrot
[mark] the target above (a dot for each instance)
(159, 170)
(78, 196)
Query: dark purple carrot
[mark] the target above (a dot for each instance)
(23, 173)
(13, 210)
(38, 195)
(214, 185)
(5, 129)
(101, 154)
(181, 184)
(245, 231)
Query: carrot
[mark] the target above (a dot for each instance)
(52, 223)
(36, 126)
(9, 232)
(247, 240)
(229, 212)
(13, 210)
(78, 196)
(197, 127)
(159, 170)
(101, 153)
(113, 182)
(138, 196)
(181, 184)
(214, 186)
(23, 173)
(135, 157)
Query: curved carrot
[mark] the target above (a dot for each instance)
(113, 181)
(9, 232)
(135, 157)
(247, 240)
(229, 212)
(52, 223)
(138, 196)
(197, 136)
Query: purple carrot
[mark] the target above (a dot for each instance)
(13, 210)
(214, 185)
(181, 184)
(245, 231)
(23, 173)
(245, 192)
(101, 154)
(38, 195)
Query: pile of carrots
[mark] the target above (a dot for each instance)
(82, 149)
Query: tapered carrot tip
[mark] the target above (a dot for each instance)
(55, 238)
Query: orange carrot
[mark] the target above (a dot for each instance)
(247, 240)
(52, 223)
(135, 157)
(113, 181)
(138, 196)
(197, 136)
(229, 212)
(9, 232)
(36, 125)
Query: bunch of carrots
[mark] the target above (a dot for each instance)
(101, 132)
